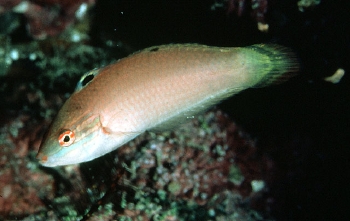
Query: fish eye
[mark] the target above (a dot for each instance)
(66, 138)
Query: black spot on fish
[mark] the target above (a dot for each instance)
(87, 79)
(154, 49)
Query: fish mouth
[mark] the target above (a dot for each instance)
(45, 154)
(41, 157)
(44, 160)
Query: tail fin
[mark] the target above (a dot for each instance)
(275, 64)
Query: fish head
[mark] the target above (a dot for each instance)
(74, 136)
(77, 133)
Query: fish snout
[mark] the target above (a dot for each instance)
(41, 157)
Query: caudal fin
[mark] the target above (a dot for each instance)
(274, 64)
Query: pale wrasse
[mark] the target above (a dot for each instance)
(155, 89)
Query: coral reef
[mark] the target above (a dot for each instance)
(47, 17)
(20, 182)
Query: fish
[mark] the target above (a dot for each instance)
(155, 89)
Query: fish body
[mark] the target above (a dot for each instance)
(154, 89)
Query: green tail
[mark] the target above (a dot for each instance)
(272, 64)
